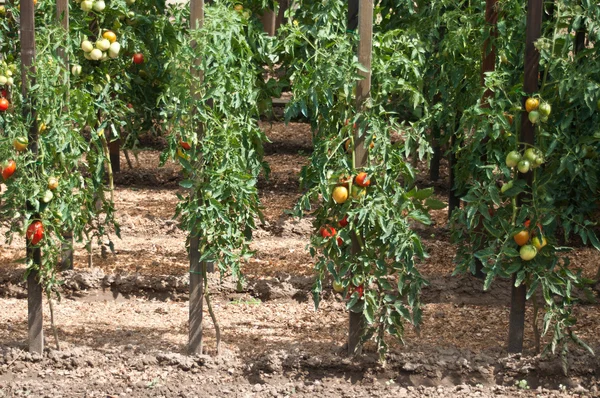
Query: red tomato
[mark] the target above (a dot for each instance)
(344, 221)
(9, 169)
(4, 93)
(4, 104)
(35, 232)
(327, 231)
(362, 180)
(361, 290)
(138, 58)
(185, 145)
(340, 242)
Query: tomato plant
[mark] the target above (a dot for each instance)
(223, 163)
(379, 274)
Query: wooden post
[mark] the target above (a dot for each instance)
(196, 280)
(62, 14)
(453, 197)
(488, 64)
(363, 91)
(114, 150)
(283, 7)
(352, 15)
(530, 86)
(35, 318)
(268, 21)
(434, 165)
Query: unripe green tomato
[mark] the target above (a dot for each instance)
(534, 116)
(113, 50)
(103, 44)
(76, 70)
(3, 80)
(527, 252)
(523, 166)
(545, 109)
(338, 286)
(2, 11)
(99, 5)
(506, 186)
(87, 46)
(87, 5)
(96, 54)
(513, 158)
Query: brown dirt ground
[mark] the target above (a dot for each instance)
(116, 344)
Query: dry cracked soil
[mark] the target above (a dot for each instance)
(122, 319)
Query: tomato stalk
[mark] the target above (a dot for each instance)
(553, 44)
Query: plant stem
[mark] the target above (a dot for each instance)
(553, 44)
(210, 309)
(536, 330)
(53, 325)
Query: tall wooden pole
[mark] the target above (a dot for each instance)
(363, 91)
(530, 86)
(196, 279)
(35, 318)
(269, 19)
(488, 64)
(283, 7)
(62, 15)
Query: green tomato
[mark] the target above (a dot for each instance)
(534, 116)
(527, 252)
(513, 158)
(506, 186)
(545, 109)
(338, 286)
(523, 166)
(48, 195)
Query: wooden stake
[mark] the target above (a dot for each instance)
(196, 279)
(268, 21)
(488, 64)
(281, 19)
(35, 318)
(363, 91)
(530, 86)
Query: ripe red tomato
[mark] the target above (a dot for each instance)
(361, 290)
(138, 58)
(4, 93)
(185, 145)
(344, 221)
(35, 232)
(327, 231)
(9, 169)
(4, 104)
(362, 180)
(340, 242)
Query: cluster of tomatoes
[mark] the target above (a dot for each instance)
(531, 159)
(530, 240)
(104, 48)
(6, 82)
(537, 112)
(349, 187)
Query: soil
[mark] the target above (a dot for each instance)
(122, 322)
